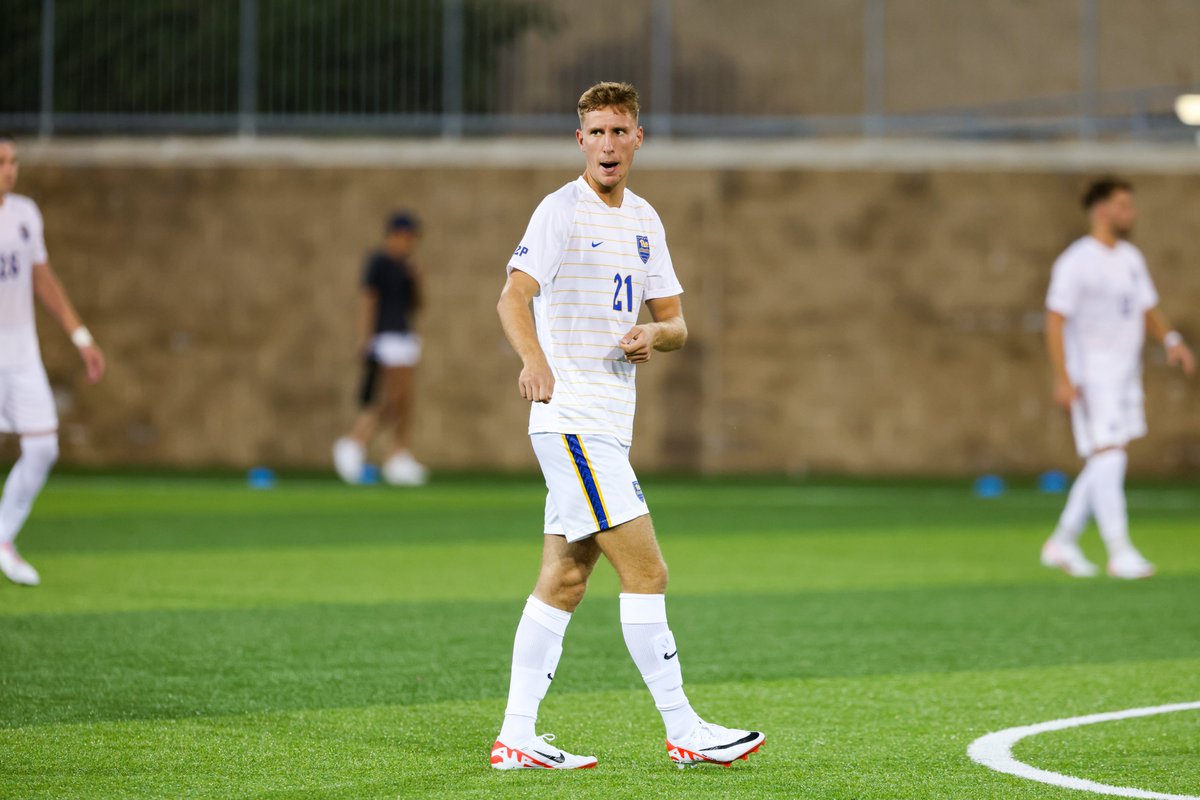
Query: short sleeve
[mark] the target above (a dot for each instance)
(660, 276)
(37, 237)
(1146, 292)
(1063, 296)
(541, 249)
(371, 272)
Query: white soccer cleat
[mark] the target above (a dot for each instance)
(17, 569)
(349, 459)
(1130, 565)
(714, 744)
(1069, 558)
(404, 470)
(537, 753)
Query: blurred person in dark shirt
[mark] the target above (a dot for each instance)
(391, 350)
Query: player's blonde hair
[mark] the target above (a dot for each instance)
(610, 94)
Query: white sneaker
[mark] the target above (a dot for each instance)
(17, 569)
(348, 459)
(537, 753)
(714, 744)
(1069, 558)
(1130, 565)
(404, 470)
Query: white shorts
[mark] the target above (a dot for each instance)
(1108, 415)
(26, 402)
(591, 485)
(397, 349)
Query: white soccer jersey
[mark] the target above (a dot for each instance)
(596, 265)
(1104, 293)
(21, 246)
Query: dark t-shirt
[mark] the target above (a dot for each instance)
(396, 290)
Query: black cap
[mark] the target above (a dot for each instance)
(403, 221)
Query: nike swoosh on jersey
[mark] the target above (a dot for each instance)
(669, 656)
(596, 244)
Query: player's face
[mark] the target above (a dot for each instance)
(400, 244)
(608, 139)
(1120, 213)
(8, 167)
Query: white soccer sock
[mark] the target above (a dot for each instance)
(25, 481)
(644, 623)
(536, 651)
(1078, 510)
(1108, 499)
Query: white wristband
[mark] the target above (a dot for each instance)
(1171, 339)
(81, 337)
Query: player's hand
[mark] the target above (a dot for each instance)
(536, 382)
(93, 362)
(638, 344)
(1065, 394)
(1181, 355)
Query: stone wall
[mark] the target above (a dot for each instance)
(850, 320)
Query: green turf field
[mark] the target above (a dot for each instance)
(193, 638)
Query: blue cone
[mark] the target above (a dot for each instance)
(1053, 482)
(261, 478)
(370, 475)
(989, 486)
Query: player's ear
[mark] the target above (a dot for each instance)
(640, 135)
(579, 137)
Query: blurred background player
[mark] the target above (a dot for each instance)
(391, 297)
(26, 402)
(1100, 304)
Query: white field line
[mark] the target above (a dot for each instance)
(995, 752)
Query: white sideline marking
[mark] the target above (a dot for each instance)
(995, 752)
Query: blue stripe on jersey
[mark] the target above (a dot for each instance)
(587, 479)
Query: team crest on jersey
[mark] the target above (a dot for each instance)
(643, 243)
(24, 233)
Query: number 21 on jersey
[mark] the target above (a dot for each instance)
(627, 283)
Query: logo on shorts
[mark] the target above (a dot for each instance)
(24, 233)
(643, 243)
(637, 488)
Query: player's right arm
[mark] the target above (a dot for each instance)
(55, 300)
(368, 312)
(1065, 392)
(1062, 300)
(536, 382)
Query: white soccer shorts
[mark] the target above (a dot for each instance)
(397, 349)
(1108, 415)
(26, 402)
(591, 485)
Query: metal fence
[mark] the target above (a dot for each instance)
(990, 68)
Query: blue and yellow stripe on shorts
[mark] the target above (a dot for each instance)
(587, 479)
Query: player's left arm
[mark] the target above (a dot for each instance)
(667, 332)
(1177, 350)
(53, 296)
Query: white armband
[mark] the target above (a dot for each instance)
(81, 337)
(1171, 339)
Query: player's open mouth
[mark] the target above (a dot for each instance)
(609, 167)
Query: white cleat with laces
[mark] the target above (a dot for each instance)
(15, 568)
(714, 744)
(1069, 558)
(537, 753)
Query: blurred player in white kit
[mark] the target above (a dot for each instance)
(1101, 303)
(26, 402)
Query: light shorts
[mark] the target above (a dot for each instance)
(26, 402)
(591, 484)
(1108, 415)
(397, 349)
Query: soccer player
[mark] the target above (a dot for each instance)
(593, 254)
(1100, 304)
(26, 403)
(391, 297)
